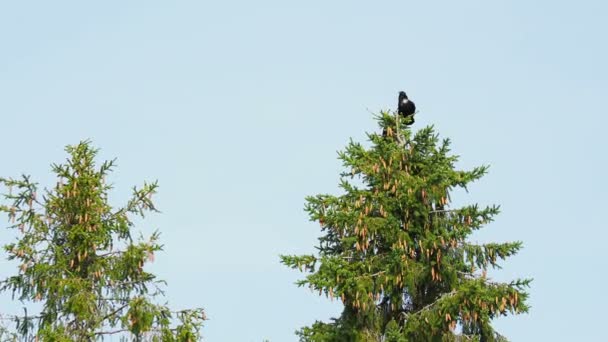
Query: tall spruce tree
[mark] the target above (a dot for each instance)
(78, 260)
(396, 253)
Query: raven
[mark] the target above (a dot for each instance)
(406, 108)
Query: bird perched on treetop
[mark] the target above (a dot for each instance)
(406, 108)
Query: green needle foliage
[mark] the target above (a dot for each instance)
(78, 260)
(395, 252)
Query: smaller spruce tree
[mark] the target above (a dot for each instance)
(78, 260)
(396, 253)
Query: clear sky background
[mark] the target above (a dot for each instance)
(238, 109)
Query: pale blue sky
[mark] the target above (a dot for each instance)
(238, 109)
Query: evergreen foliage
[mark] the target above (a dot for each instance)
(396, 253)
(78, 260)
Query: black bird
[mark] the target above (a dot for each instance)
(406, 108)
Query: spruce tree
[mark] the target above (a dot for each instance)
(80, 264)
(396, 252)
